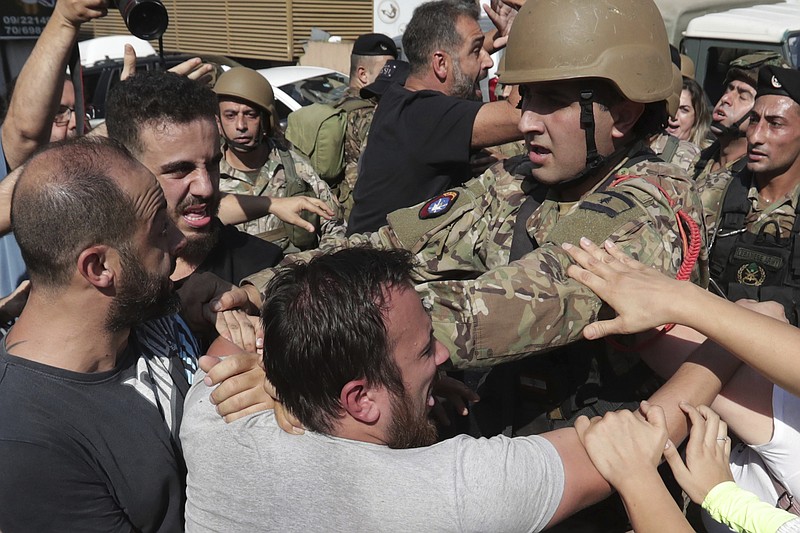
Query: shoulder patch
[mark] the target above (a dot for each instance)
(438, 205)
(597, 217)
(410, 228)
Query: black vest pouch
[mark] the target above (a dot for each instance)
(758, 267)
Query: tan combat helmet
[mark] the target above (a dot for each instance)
(687, 66)
(249, 85)
(622, 41)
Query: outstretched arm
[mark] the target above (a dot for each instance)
(644, 298)
(38, 90)
(236, 208)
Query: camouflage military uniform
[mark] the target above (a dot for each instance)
(270, 180)
(356, 130)
(683, 155)
(780, 211)
(754, 244)
(488, 310)
(711, 187)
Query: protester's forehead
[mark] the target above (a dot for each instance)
(198, 136)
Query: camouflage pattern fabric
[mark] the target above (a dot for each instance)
(782, 210)
(270, 180)
(487, 310)
(685, 156)
(711, 187)
(356, 130)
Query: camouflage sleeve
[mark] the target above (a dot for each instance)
(531, 306)
(336, 226)
(445, 247)
(712, 187)
(381, 239)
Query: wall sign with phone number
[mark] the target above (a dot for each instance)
(23, 26)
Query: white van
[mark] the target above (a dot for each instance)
(714, 40)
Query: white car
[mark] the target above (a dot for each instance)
(298, 86)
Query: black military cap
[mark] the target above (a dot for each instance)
(780, 81)
(394, 71)
(375, 44)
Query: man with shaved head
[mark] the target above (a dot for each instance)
(93, 374)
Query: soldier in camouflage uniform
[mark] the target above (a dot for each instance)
(726, 154)
(675, 151)
(751, 214)
(256, 164)
(371, 52)
(490, 261)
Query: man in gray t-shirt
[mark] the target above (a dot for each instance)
(360, 377)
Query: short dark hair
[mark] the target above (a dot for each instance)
(433, 27)
(324, 325)
(66, 200)
(154, 98)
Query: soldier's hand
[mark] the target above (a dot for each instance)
(642, 297)
(76, 12)
(289, 209)
(707, 454)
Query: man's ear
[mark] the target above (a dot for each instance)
(625, 114)
(358, 399)
(440, 62)
(99, 265)
(362, 75)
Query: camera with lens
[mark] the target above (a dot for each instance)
(146, 19)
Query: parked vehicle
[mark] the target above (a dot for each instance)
(300, 86)
(102, 60)
(714, 40)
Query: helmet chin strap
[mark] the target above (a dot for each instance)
(593, 159)
(731, 131)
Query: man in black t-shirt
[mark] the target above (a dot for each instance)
(168, 122)
(91, 379)
(422, 134)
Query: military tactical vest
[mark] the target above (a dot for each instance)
(583, 377)
(757, 266)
